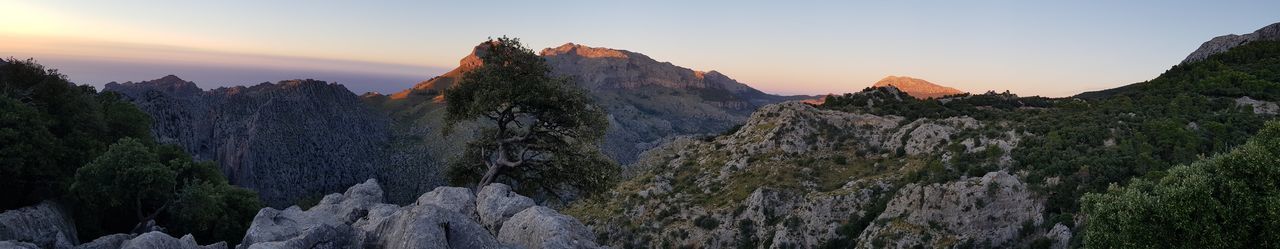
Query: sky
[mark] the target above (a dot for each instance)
(1048, 48)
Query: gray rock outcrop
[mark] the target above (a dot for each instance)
(442, 218)
(988, 209)
(159, 240)
(1223, 43)
(496, 203)
(541, 227)
(44, 225)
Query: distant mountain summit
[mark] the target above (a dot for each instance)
(647, 100)
(169, 84)
(918, 88)
(1223, 43)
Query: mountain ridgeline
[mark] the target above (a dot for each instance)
(288, 140)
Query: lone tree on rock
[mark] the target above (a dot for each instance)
(536, 131)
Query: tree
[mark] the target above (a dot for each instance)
(1230, 200)
(540, 132)
(125, 185)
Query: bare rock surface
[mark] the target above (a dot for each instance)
(1223, 43)
(442, 218)
(44, 225)
(496, 203)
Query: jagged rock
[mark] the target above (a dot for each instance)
(1223, 43)
(322, 236)
(924, 136)
(44, 225)
(159, 240)
(1061, 236)
(429, 226)
(330, 218)
(496, 203)
(288, 141)
(991, 208)
(17, 245)
(455, 199)
(442, 218)
(541, 227)
(1258, 106)
(113, 241)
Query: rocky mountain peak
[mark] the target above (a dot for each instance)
(168, 84)
(1223, 43)
(585, 51)
(918, 88)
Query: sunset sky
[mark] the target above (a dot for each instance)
(1028, 47)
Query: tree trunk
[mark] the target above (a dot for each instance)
(489, 175)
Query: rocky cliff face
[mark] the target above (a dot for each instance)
(918, 88)
(796, 176)
(1223, 43)
(287, 140)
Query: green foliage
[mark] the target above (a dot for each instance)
(1230, 200)
(54, 127)
(706, 222)
(538, 132)
(213, 212)
(94, 151)
(125, 185)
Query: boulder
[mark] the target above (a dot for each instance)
(159, 240)
(429, 226)
(8, 244)
(541, 227)
(113, 241)
(442, 218)
(44, 225)
(496, 203)
(455, 199)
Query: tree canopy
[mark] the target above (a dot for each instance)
(537, 132)
(1231, 200)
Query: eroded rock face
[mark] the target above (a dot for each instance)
(1223, 43)
(988, 209)
(442, 218)
(43, 225)
(287, 140)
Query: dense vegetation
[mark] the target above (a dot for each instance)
(1230, 200)
(1083, 145)
(94, 153)
(538, 132)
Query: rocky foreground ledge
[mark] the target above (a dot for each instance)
(447, 217)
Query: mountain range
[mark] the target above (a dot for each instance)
(711, 162)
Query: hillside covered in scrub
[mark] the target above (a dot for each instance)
(879, 168)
